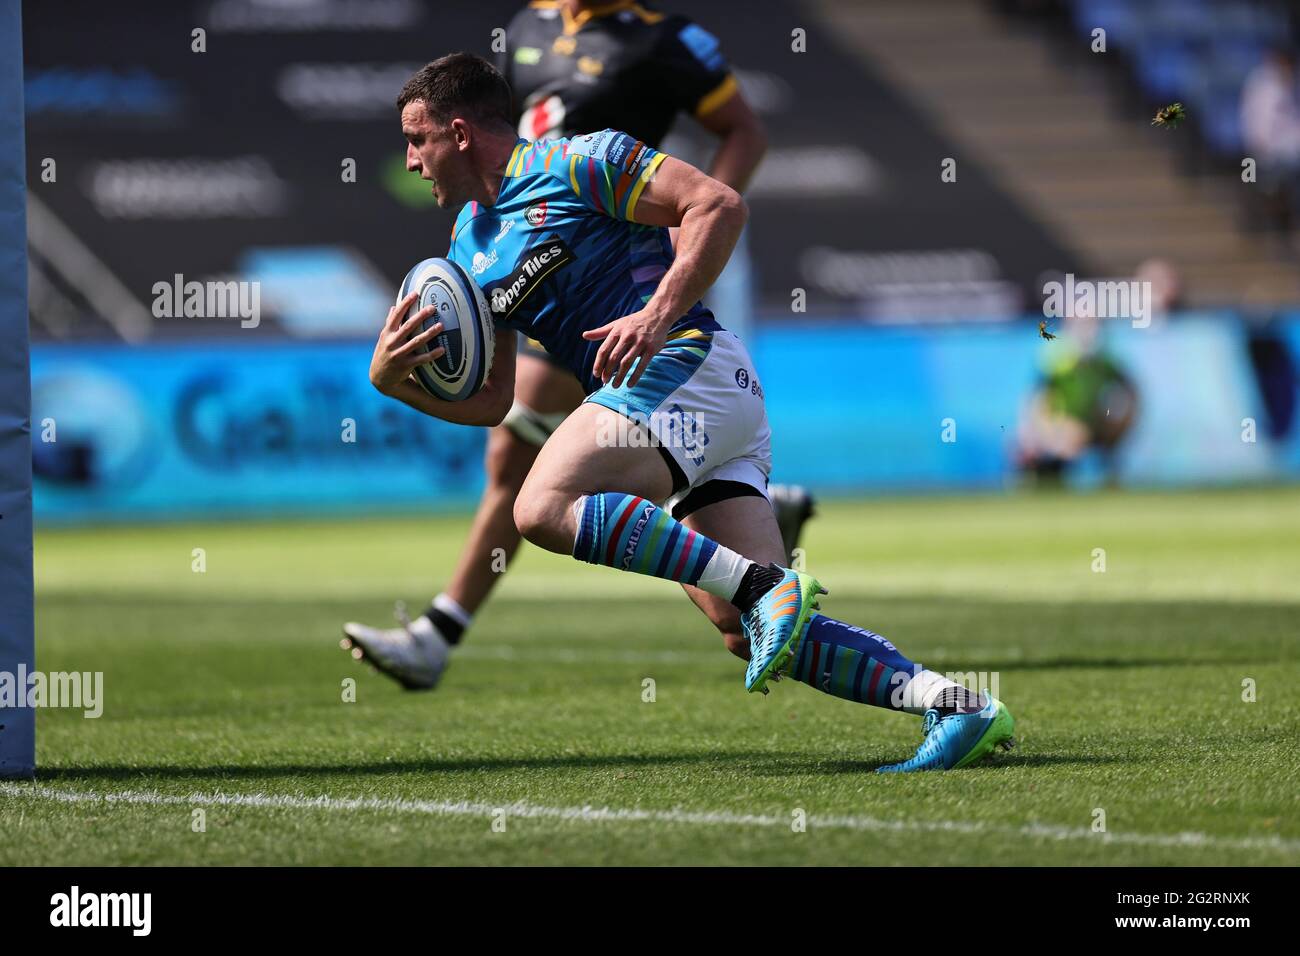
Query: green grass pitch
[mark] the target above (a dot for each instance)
(224, 692)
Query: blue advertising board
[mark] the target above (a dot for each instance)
(282, 427)
(936, 408)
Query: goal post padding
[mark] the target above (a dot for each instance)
(17, 646)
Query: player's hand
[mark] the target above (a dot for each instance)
(399, 350)
(637, 336)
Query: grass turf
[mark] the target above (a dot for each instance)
(1127, 686)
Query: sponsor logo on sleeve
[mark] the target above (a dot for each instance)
(618, 149)
(703, 46)
(594, 145)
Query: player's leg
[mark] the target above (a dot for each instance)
(833, 657)
(851, 662)
(726, 553)
(594, 448)
(794, 506)
(560, 510)
(417, 653)
(544, 396)
(593, 490)
(732, 296)
(745, 526)
(565, 506)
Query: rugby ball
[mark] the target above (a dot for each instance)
(468, 332)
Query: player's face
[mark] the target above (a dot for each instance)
(434, 153)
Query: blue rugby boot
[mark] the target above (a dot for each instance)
(776, 625)
(960, 739)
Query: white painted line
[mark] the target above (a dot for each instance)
(588, 814)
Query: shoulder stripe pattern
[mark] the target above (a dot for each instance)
(512, 167)
(573, 173)
(642, 181)
(721, 93)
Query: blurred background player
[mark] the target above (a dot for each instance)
(1084, 402)
(576, 67)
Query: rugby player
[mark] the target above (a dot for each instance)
(596, 281)
(577, 66)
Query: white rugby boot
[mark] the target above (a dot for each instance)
(415, 654)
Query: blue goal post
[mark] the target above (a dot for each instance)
(17, 645)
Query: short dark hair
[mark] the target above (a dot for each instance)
(459, 84)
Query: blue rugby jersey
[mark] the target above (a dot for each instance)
(560, 252)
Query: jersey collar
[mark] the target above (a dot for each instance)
(572, 24)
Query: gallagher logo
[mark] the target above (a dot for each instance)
(536, 214)
(537, 263)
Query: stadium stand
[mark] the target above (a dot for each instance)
(842, 208)
(1067, 132)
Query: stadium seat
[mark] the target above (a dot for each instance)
(1182, 20)
(1233, 57)
(1167, 69)
(1121, 19)
(1221, 119)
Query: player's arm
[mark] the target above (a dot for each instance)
(692, 73)
(743, 141)
(711, 216)
(742, 147)
(400, 349)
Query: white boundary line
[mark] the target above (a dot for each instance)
(589, 814)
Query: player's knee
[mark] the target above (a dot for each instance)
(528, 517)
(539, 518)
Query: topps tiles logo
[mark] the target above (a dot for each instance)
(75, 909)
(536, 264)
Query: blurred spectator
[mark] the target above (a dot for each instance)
(1084, 402)
(1167, 289)
(1270, 121)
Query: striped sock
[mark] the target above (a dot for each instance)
(859, 665)
(633, 534)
